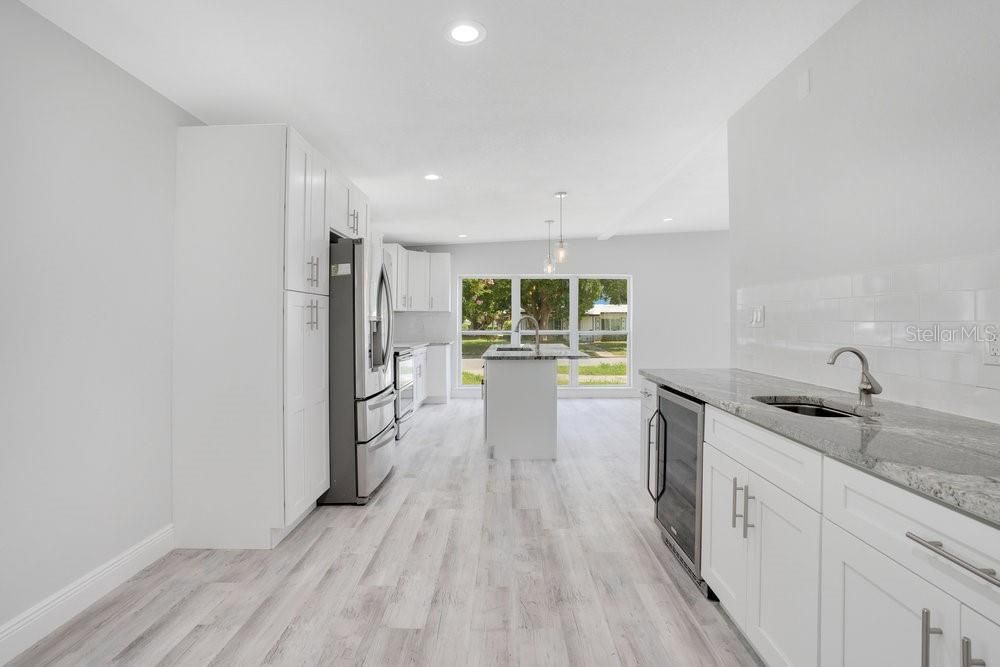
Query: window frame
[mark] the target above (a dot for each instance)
(574, 388)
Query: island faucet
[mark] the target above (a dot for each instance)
(869, 386)
(538, 338)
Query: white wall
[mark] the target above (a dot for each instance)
(680, 286)
(872, 203)
(87, 190)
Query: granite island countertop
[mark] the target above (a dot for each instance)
(951, 459)
(551, 351)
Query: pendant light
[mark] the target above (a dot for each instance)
(561, 250)
(549, 266)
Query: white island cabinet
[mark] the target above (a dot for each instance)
(519, 390)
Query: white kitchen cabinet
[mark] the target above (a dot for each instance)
(873, 608)
(306, 462)
(761, 556)
(724, 552)
(782, 619)
(338, 206)
(249, 419)
(419, 377)
(439, 282)
(418, 280)
(981, 638)
(306, 244)
(437, 381)
(357, 213)
(397, 256)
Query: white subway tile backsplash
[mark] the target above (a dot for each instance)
(948, 306)
(913, 321)
(971, 273)
(872, 282)
(877, 334)
(988, 305)
(948, 367)
(903, 307)
(915, 278)
(859, 308)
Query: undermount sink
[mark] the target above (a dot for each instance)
(805, 406)
(515, 348)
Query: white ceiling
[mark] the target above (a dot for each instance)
(622, 103)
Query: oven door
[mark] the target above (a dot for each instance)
(680, 427)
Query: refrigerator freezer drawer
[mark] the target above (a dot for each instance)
(375, 414)
(375, 460)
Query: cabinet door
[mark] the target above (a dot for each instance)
(317, 459)
(439, 281)
(299, 319)
(319, 234)
(723, 547)
(299, 268)
(982, 636)
(403, 278)
(420, 377)
(418, 279)
(783, 598)
(357, 213)
(872, 608)
(338, 205)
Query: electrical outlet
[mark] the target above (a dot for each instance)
(993, 351)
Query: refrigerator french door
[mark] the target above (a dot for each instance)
(674, 475)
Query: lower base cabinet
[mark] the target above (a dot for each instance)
(873, 609)
(761, 556)
(981, 637)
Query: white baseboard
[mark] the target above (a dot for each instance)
(25, 629)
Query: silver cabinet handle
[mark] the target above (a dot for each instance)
(967, 659)
(649, 444)
(432, 303)
(925, 637)
(987, 573)
(746, 510)
(736, 489)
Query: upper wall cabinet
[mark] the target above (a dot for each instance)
(347, 209)
(358, 213)
(419, 280)
(306, 252)
(422, 280)
(439, 282)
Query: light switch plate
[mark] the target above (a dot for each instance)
(992, 357)
(757, 317)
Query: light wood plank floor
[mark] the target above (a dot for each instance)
(460, 560)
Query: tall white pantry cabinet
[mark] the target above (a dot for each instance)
(255, 204)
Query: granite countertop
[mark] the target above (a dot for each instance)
(408, 345)
(951, 459)
(552, 351)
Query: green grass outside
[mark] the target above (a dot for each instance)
(602, 369)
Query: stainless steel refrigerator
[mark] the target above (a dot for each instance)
(362, 396)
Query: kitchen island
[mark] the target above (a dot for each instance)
(519, 396)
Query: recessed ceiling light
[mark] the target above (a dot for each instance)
(466, 33)
(668, 220)
(463, 236)
(432, 177)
